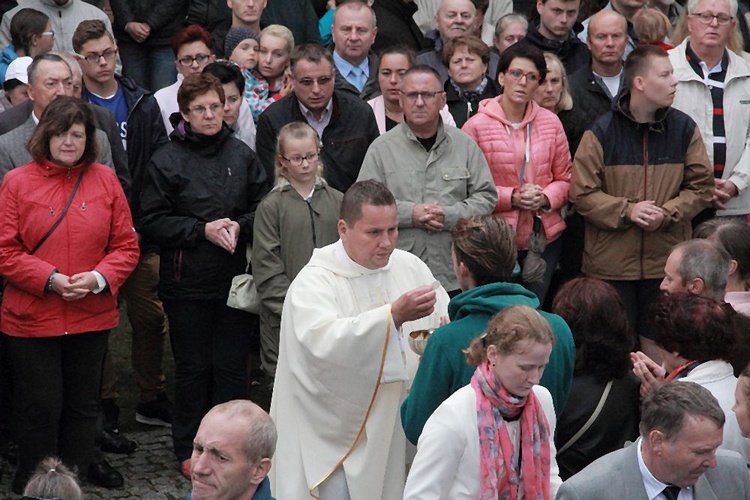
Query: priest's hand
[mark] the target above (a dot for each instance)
(413, 305)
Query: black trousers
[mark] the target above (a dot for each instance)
(211, 344)
(56, 384)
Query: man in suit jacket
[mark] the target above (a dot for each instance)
(681, 429)
(105, 121)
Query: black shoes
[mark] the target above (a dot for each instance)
(113, 442)
(155, 412)
(104, 475)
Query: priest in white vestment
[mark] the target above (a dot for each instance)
(344, 363)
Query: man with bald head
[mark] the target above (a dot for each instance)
(715, 90)
(627, 8)
(454, 18)
(594, 86)
(232, 453)
(354, 30)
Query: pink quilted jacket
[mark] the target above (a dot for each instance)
(549, 164)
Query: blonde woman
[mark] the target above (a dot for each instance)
(494, 437)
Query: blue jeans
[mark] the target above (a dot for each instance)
(211, 344)
(152, 67)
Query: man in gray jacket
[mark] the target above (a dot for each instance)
(436, 172)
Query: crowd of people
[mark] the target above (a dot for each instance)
(497, 250)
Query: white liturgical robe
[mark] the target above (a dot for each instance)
(343, 371)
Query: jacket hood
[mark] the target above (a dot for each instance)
(492, 108)
(333, 258)
(489, 299)
(622, 105)
(63, 6)
(560, 48)
(203, 144)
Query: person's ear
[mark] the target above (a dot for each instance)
(342, 227)
(260, 470)
(656, 441)
(696, 286)
(732, 267)
(638, 83)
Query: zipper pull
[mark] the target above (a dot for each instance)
(229, 171)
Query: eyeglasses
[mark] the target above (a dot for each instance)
(93, 57)
(47, 33)
(189, 60)
(321, 80)
(298, 160)
(201, 110)
(425, 95)
(708, 18)
(517, 74)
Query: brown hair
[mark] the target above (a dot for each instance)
(294, 130)
(694, 326)
(651, 26)
(401, 50)
(25, 25)
(639, 61)
(732, 236)
(91, 29)
(364, 192)
(58, 117)
(473, 44)
(194, 86)
(486, 245)
(52, 479)
(309, 52)
(507, 329)
(594, 312)
(666, 407)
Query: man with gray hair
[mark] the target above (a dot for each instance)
(676, 456)
(232, 453)
(354, 30)
(714, 90)
(454, 18)
(699, 267)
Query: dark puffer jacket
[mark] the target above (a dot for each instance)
(589, 98)
(193, 180)
(463, 107)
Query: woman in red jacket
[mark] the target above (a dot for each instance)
(67, 244)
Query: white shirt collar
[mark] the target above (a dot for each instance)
(653, 486)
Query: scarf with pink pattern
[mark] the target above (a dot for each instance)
(500, 474)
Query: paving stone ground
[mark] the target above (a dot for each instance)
(152, 471)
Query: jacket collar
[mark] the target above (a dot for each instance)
(441, 135)
(547, 45)
(737, 68)
(622, 106)
(492, 108)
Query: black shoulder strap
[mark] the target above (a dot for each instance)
(62, 215)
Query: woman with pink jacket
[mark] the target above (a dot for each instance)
(528, 155)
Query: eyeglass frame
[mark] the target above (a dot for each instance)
(426, 95)
(309, 82)
(48, 33)
(707, 16)
(526, 74)
(299, 161)
(93, 57)
(192, 59)
(201, 110)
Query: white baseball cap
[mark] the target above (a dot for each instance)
(18, 69)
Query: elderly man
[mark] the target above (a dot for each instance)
(454, 18)
(640, 175)
(553, 32)
(698, 267)
(714, 89)
(627, 8)
(345, 123)
(232, 453)
(49, 77)
(436, 173)
(676, 456)
(354, 29)
(595, 86)
(344, 365)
